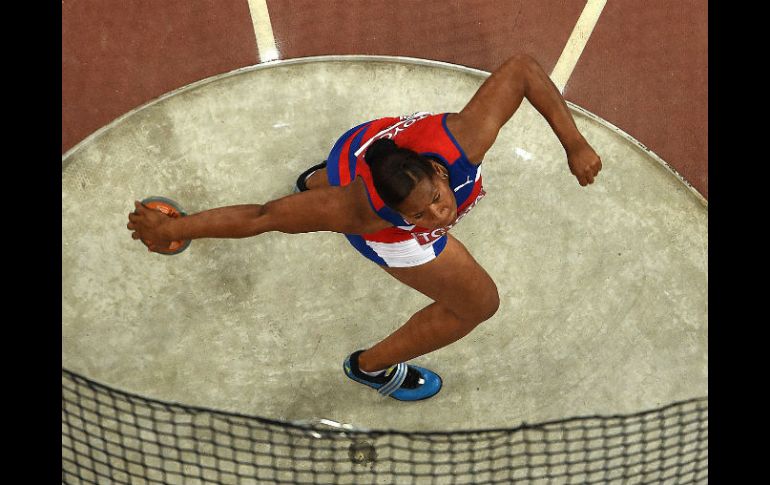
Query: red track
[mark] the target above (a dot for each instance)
(644, 68)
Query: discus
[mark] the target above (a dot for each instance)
(171, 209)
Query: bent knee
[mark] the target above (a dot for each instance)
(482, 308)
(491, 305)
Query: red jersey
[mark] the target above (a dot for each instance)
(424, 133)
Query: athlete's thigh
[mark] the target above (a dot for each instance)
(454, 279)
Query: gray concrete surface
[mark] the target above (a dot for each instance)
(603, 289)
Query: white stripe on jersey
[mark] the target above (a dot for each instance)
(404, 121)
(403, 254)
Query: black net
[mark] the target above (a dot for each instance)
(110, 436)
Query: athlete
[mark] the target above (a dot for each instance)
(395, 187)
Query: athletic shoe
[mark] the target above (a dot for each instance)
(402, 382)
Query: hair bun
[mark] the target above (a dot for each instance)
(380, 149)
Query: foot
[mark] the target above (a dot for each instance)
(402, 382)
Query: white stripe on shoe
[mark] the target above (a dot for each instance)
(395, 383)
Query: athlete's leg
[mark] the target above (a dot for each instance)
(464, 296)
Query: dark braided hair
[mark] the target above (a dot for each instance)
(396, 171)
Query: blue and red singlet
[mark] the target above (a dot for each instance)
(404, 245)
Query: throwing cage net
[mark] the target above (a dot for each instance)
(110, 436)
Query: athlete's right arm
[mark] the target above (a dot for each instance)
(337, 209)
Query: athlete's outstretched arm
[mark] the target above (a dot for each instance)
(336, 209)
(477, 125)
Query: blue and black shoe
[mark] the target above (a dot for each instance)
(300, 185)
(402, 382)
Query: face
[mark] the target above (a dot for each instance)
(431, 204)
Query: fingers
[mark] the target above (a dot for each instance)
(589, 174)
(585, 180)
(138, 210)
(135, 218)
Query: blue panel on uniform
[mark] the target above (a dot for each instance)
(440, 244)
(333, 162)
(332, 167)
(354, 146)
(359, 243)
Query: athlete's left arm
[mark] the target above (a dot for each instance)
(476, 127)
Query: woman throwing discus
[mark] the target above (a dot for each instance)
(395, 187)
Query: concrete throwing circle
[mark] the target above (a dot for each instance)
(603, 289)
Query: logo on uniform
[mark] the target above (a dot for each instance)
(393, 130)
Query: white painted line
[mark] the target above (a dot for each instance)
(523, 154)
(263, 30)
(577, 42)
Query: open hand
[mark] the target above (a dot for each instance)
(584, 164)
(149, 225)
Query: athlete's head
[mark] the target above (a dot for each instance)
(415, 186)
